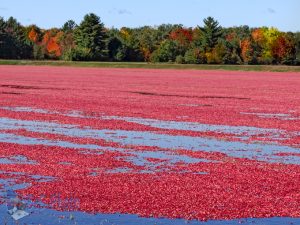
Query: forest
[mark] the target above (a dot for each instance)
(92, 41)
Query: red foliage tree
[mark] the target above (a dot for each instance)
(182, 35)
(283, 48)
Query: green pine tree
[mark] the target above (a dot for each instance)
(90, 39)
(211, 32)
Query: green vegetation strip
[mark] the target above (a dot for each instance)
(271, 68)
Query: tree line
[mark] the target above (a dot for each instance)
(92, 41)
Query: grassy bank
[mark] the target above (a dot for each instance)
(272, 68)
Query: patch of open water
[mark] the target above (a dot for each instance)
(243, 131)
(256, 151)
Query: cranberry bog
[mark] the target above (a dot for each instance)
(146, 146)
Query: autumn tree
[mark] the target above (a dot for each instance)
(183, 36)
(51, 43)
(65, 40)
(196, 52)
(148, 39)
(284, 49)
(246, 50)
(164, 43)
(34, 34)
(240, 32)
(270, 36)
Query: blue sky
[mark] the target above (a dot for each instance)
(283, 14)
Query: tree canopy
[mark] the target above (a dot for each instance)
(91, 40)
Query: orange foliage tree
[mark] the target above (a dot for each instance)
(33, 35)
(51, 42)
(246, 50)
(258, 35)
